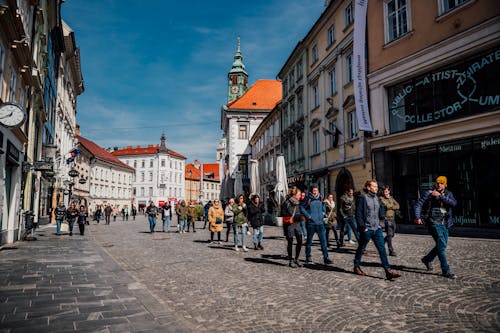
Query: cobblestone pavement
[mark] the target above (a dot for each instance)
(120, 278)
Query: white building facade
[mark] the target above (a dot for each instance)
(159, 173)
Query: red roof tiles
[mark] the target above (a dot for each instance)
(263, 95)
(101, 153)
(149, 150)
(210, 171)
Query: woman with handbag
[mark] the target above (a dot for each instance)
(292, 218)
(216, 219)
(331, 220)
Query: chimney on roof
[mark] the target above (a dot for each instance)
(115, 148)
(77, 130)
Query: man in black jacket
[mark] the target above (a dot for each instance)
(60, 214)
(369, 213)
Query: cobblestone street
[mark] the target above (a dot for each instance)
(120, 278)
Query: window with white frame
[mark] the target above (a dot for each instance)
(397, 18)
(162, 163)
(142, 191)
(348, 68)
(330, 37)
(299, 70)
(150, 191)
(292, 79)
(300, 105)
(292, 150)
(285, 118)
(151, 163)
(142, 176)
(352, 125)
(314, 53)
(285, 86)
(243, 132)
(332, 81)
(150, 176)
(348, 15)
(292, 111)
(316, 141)
(447, 5)
(315, 93)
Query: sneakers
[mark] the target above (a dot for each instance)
(245, 249)
(391, 274)
(260, 247)
(393, 254)
(427, 264)
(309, 260)
(327, 261)
(292, 264)
(351, 242)
(449, 275)
(358, 271)
(249, 233)
(297, 263)
(255, 247)
(236, 248)
(71, 233)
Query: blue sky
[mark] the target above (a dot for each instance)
(161, 66)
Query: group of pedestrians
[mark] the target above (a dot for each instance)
(70, 215)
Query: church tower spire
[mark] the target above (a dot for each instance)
(238, 77)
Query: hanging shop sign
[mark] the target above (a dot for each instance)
(43, 166)
(73, 173)
(82, 181)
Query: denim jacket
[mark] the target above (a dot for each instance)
(430, 208)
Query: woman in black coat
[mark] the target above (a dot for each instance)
(256, 210)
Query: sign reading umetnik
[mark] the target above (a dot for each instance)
(359, 68)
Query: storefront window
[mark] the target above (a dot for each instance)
(459, 90)
(471, 168)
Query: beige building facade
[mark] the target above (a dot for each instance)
(335, 150)
(435, 102)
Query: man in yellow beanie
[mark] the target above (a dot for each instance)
(435, 207)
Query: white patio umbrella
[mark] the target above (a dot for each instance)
(238, 184)
(281, 188)
(254, 177)
(222, 179)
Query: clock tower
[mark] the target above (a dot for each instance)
(237, 77)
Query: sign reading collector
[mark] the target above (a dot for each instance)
(460, 90)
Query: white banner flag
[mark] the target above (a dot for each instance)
(359, 68)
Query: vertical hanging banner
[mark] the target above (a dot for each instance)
(359, 66)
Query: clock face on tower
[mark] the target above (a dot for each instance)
(234, 89)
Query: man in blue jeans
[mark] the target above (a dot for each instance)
(60, 214)
(435, 207)
(151, 212)
(314, 211)
(370, 212)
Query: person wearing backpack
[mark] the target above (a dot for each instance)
(369, 213)
(314, 213)
(292, 217)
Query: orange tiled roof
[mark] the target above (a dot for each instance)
(149, 150)
(101, 153)
(263, 95)
(208, 169)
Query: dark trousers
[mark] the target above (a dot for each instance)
(378, 239)
(108, 219)
(298, 245)
(81, 226)
(191, 223)
(334, 230)
(440, 235)
(212, 235)
(352, 223)
(320, 230)
(228, 230)
(390, 227)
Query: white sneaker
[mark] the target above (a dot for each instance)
(245, 249)
(249, 233)
(351, 242)
(236, 248)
